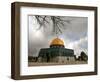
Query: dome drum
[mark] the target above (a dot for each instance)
(57, 46)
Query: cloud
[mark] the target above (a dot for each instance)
(79, 45)
(78, 28)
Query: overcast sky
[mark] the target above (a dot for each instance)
(74, 35)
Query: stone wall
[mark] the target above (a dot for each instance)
(58, 59)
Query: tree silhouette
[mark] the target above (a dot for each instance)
(83, 56)
(57, 22)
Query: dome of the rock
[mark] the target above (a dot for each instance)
(57, 41)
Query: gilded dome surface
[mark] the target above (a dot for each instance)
(57, 41)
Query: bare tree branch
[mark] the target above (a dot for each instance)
(57, 21)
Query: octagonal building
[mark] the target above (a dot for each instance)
(56, 53)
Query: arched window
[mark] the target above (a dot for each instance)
(67, 59)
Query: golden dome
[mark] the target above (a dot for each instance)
(57, 41)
